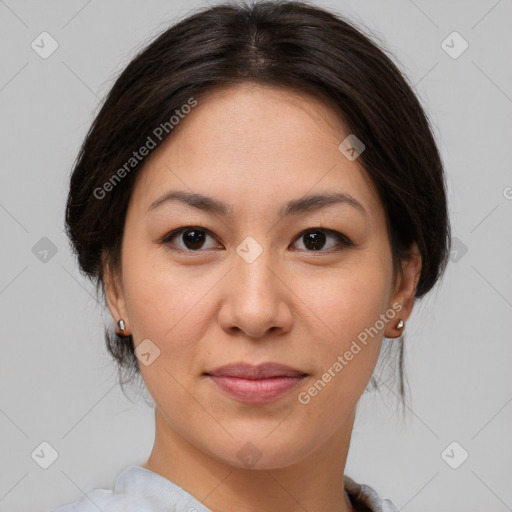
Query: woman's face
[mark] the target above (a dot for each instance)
(256, 283)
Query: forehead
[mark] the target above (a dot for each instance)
(254, 145)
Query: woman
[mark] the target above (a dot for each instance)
(261, 200)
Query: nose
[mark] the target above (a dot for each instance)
(257, 298)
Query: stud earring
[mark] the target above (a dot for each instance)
(400, 325)
(122, 328)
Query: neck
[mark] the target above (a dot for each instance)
(313, 483)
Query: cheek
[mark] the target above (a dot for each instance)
(160, 300)
(348, 300)
(166, 310)
(348, 307)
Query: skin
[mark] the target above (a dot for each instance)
(255, 148)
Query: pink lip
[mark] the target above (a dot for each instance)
(256, 384)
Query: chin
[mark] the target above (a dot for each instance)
(263, 452)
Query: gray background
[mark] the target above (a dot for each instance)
(59, 386)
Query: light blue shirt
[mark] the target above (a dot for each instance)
(140, 490)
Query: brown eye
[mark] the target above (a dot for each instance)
(194, 239)
(316, 239)
(191, 238)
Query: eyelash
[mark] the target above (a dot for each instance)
(343, 240)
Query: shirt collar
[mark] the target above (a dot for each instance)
(139, 482)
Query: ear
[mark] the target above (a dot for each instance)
(405, 290)
(114, 292)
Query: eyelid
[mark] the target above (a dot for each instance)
(343, 240)
(166, 240)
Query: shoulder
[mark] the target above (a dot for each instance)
(365, 498)
(106, 501)
(136, 489)
(118, 499)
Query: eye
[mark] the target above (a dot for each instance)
(314, 239)
(192, 238)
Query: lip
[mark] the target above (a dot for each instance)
(256, 384)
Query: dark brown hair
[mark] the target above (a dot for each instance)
(284, 44)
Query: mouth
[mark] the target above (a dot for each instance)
(256, 384)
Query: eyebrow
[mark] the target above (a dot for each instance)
(294, 207)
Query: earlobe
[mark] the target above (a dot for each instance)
(114, 296)
(396, 329)
(405, 290)
(122, 330)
